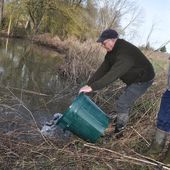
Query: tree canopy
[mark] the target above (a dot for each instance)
(80, 18)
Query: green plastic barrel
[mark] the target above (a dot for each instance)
(85, 119)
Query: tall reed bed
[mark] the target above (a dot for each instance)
(80, 61)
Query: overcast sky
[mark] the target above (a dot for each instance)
(155, 12)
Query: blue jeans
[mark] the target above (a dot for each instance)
(169, 77)
(126, 100)
(163, 119)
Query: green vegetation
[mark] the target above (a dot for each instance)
(30, 150)
(83, 19)
(49, 16)
(163, 49)
(76, 21)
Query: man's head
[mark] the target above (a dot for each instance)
(108, 39)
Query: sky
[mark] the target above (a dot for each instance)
(155, 12)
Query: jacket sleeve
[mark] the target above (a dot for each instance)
(121, 66)
(101, 71)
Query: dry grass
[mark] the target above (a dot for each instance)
(80, 59)
(28, 149)
(23, 147)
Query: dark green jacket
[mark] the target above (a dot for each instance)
(125, 62)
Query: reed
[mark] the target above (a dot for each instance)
(28, 149)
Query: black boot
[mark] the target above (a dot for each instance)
(119, 130)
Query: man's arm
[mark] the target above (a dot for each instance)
(121, 66)
(102, 70)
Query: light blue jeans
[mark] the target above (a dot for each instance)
(126, 100)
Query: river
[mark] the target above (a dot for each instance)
(31, 88)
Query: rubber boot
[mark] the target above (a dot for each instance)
(119, 129)
(157, 144)
(166, 159)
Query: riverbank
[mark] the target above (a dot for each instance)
(47, 40)
(28, 149)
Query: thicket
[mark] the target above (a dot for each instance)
(79, 18)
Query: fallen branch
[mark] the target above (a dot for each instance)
(147, 160)
(28, 91)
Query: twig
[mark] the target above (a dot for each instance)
(153, 162)
(9, 107)
(148, 158)
(47, 141)
(28, 91)
(141, 136)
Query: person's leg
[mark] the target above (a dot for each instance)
(168, 77)
(163, 126)
(166, 158)
(125, 102)
(157, 144)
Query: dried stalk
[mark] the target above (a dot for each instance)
(147, 161)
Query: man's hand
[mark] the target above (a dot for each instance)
(85, 89)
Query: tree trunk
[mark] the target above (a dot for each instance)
(1, 10)
(9, 25)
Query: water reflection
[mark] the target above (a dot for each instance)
(27, 66)
(30, 72)
(31, 89)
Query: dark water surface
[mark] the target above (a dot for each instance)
(31, 88)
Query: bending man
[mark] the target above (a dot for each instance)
(126, 62)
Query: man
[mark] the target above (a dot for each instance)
(126, 62)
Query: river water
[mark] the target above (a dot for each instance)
(31, 88)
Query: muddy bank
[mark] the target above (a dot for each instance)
(53, 42)
(46, 39)
(23, 147)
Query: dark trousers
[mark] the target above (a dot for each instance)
(126, 100)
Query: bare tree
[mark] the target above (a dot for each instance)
(73, 2)
(113, 13)
(108, 16)
(147, 45)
